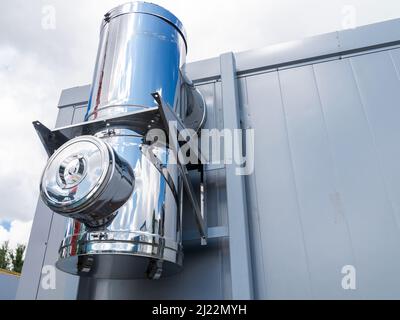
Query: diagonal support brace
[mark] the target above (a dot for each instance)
(51, 140)
(167, 116)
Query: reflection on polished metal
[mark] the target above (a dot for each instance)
(142, 50)
(123, 195)
(147, 225)
(86, 180)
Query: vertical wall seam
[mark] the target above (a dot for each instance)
(375, 146)
(396, 68)
(394, 64)
(220, 213)
(44, 255)
(252, 180)
(295, 185)
(220, 175)
(333, 165)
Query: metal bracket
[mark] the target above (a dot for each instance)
(149, 154)
(168, 116)
(214, 235)
(51, 140)
(136, 120)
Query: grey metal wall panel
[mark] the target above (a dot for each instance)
(326, 178)
(378, 85)
(8, 286)
(358, 196)
(395, 56)
(71, 96)
(361, 186)
(36, 249)
(276, 225)
(370, 35)
(65, 285)
(200, 71)
(201, 279)
(283, 53)
(79, 113)
(325, 231)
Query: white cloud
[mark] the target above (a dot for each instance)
(18, 234)
(24, 97)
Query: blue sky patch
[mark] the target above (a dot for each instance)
(6, 224)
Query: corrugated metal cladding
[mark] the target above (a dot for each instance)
(325, 192)
(326, 187)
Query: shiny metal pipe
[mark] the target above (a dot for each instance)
(142, 49)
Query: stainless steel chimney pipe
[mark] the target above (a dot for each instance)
(142, 50)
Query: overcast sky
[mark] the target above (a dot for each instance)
(40, 57)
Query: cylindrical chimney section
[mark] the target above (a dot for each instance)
(142, 49)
